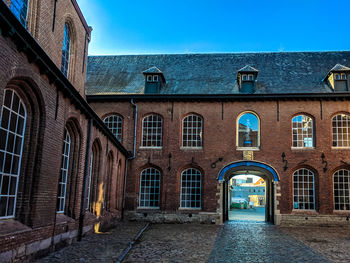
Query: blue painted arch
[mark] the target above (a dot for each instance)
(247, 164)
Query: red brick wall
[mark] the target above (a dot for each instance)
(220, 141)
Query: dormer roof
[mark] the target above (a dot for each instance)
(152, 70)
(248, 69)
(339, 67)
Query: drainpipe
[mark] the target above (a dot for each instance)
(86, 173)
(131, 157)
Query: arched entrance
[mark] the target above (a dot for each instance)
(262, 170)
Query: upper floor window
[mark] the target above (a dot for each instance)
(66, 50)
(341, 180)
(303, 187)
(152, 131)
(152, 78)
(248, 130)
(192, 131)
(20, 9)
(341, 130)
(302, 131)
(247, 77)
(191, 188)
(115, 124)
(339, 76)
(62, 184)
(149, 188)
(12, 128)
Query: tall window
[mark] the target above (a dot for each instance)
(342, 190)
(20, 9)
(12, 127)
(248, 130)
(62, 184)
(304, 191)
(302, 129)
(115, 124)
(66, 51)
(190, 188)
(152, 131)
(91, 168)
(341, 130)
(149, 188)
(192, 131)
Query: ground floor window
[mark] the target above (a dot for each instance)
(303, 187)
(149, 188)
(341, 190)
(190, 188)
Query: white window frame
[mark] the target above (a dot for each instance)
(301, 189)
(304, 138)
(256, 148)
(155, 78)
(336, 76)
(343, 190)
(14, 172)
(186, 191)
(62, 183)
(16, 12)
(65, 61)
(244, 77)
(148, 132)
(115, 120)
(343, 76)
(250, 77)
(339, 138)
(192, 132)
(149, 186)
(149, 78)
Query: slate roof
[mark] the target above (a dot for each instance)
(282, 72)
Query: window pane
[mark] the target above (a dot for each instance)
(248, 130)
(149, 195)
(152, 131)
(190, 188)
(303, 189)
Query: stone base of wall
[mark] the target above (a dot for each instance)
(330, 220)
(173, 217)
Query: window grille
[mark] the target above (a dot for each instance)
(302, 131)
(20, 9)
(149, 188)
(341, 130)
(190, 189)
(341, 180)
(62, 184)
(66, 51)
(248, 131)
(115, 124)
(304, 191)
(152, 131)
(192, 131)
(12, 128)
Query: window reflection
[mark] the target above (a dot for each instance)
(248, 130)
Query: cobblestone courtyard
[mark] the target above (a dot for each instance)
(236, 241)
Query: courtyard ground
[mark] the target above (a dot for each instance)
(235, 241)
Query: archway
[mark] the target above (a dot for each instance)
(262, 170)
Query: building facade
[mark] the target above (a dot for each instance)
(61, 168)
(196, 121)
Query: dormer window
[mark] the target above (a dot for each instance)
(246, 77)
(343, 76)
(149, 78)
(154, 80)
(337, 78)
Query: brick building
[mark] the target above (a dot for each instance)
(197, 120)
(61, 168)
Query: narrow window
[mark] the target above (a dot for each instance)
(20, 9)
(341, 130)
(303, 187)
(341, 180)
(115, 124)
(343, 76)
(62, 184)
(66, 51)
(149, 188)
(302, 131)
(190, 188)
(244, 77)
(337, 76)
(192, 131)
(91, 168)
(248, 131)
(250, 77)
(152, 131)
(155, 78)
(149, 78)
(12, 128)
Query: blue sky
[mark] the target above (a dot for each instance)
(148, 27)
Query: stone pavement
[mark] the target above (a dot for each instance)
(250, 214)
(235, 241)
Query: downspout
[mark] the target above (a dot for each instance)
(86, 172)
(131, 157)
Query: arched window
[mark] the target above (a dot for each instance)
(192, 131)
(115, 124)
(20, 9)
(108, 182)
(62, 184)
(341, 180)
(91, 168)
(12, 128)
(191, 188)
(341, 130)
(304, 190)
(149, 188)
(248, 130)
(94, 186)
(152, 131)
(302, 129)
(66, 50)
